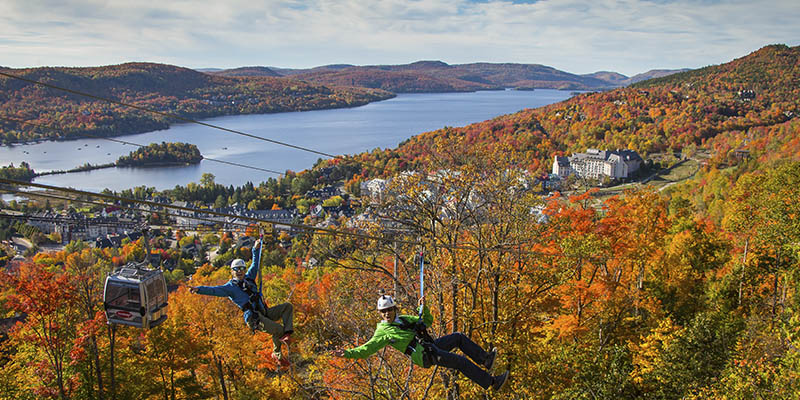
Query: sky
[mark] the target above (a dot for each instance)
(625, 36)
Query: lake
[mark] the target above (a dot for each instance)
(382, 124)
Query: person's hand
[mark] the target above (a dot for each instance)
(338, 353)
(257, 244)
(421, 301)
(192, 290)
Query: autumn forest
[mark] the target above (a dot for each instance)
(686, 291)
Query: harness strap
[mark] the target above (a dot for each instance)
(255, 302)
(412, 347)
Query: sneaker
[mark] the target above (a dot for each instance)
(490, 357)
(500, 381)
(286, 338)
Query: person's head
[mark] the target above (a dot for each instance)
(387, 308)
(238, 269)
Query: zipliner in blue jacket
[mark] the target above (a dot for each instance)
(232, 290)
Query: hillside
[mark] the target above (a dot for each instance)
(528, 75)
(246, 71)
(699, 108)
(163, 88)
(396, 81)
(652, 74)
(614, 78)
(437, 76)
(617, 79)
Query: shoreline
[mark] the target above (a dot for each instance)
(88, 168)
(328, 127)
(114, 137)
(82, 136)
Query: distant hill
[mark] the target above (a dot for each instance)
(652, 74)
(324, 68)
(160, 87)
(437, 76)
(617, 79)
(396, 80)
(246, 71)
(749, 104)
(529, 76)
(613, 78)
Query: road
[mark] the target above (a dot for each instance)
(21, 242)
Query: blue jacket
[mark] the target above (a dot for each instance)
(231, 289)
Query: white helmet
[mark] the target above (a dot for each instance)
(237, 263)
(385, 302)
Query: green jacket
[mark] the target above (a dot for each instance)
(390, 333)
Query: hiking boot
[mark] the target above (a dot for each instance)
(490, 357)
(500, 381)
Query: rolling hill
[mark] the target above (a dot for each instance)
(169, 89)
(750, 104)
(437, 76)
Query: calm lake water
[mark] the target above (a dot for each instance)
(343, 131)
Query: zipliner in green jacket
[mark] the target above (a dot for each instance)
(391, 333)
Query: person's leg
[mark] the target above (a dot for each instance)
(465, 366)
(467, 346)
(273, 328)
(283, 312)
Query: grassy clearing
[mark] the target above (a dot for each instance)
(678, 173)
(673, 175)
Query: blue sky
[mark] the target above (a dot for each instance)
(626, 36)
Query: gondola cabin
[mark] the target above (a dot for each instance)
(136, 295)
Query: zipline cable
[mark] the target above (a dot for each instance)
(421, 279)
(137, 144)
(165, 114)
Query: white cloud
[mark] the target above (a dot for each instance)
(629, 36)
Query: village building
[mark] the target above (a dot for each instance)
(597, 164)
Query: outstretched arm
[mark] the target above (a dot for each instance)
(256, 263)
(367, 349)
(219, 291)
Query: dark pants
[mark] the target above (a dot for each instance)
(445, 358)
(266, 320)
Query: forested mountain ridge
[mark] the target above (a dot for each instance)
(681, 111)
(160, 87)
(652, 74)
(437, 76)
(246, 71)
(396, 81)
(618, 79)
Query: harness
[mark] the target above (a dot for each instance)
(422, 337)
(430, 353)
(255, 302)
